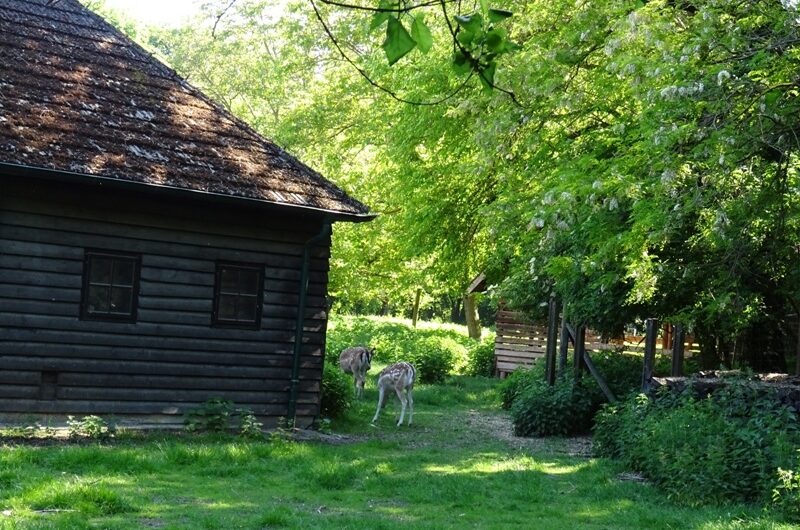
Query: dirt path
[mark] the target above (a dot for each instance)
(466, 428)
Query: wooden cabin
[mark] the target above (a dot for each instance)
(155, 251)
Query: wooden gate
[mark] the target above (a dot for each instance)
(518, 343)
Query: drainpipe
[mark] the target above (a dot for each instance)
(301, 310)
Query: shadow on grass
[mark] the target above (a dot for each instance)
(376, 484)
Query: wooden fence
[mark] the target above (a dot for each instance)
(521, 343)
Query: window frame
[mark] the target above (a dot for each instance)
(223, 323)
(136, 259)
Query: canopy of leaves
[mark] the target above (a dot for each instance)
(647, 165)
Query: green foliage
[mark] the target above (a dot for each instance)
(650, 170)
(786, 494)
(434, 358)
(337, 391)
(480, 358)
(719, 449)
(513, 385)
(217, 415)
(93, 427)
(250, 426)
(434, 349)
(214, 415)
(564, 409)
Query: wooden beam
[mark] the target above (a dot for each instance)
(599, 378)
(649, 352)
(579, 351)
(552, 331)
(677, 350)
(564, 345)
(415, 310)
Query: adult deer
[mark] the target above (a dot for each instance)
(357, 361)
(399, 377)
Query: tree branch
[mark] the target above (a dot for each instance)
(372, 82)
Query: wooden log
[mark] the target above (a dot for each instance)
(599, 378)
(552, 330)
(649, 352)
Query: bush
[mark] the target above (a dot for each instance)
(221, 415)
(433, 358)
(513, 385)
(214, 415)
(434, 351)
(337, 391)
(786, 494)
(93, 427)
(724, 448)
(563, 409)
(566, 408)
(480, 358)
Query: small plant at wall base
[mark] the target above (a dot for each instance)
(337, 391)
(93, 427)
(214, 415)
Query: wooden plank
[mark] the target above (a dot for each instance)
(143, 342)
(276, 378)
(273, 330)
(17, 377)
(26, 242)
(23, 223)
(115, 208)
(34, 406)
(278, 395)
(94, 366)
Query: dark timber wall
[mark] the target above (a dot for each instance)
(54, 363)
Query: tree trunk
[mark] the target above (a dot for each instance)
(471, 313)
(415, 311)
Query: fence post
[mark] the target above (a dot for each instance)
(580, 348)
(564, 344)
(678, 337)
(649, 352)
(552, 334)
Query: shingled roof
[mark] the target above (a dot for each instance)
(79, 97)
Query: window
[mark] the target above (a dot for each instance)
(238, 295)
(110, 286)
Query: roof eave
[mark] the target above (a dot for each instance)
(20, 170)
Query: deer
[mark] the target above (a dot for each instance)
(357, 361)
(399, 377)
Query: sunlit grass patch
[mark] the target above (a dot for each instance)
(91, 498)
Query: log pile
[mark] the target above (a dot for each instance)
(703, 384)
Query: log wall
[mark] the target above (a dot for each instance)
(171, 358)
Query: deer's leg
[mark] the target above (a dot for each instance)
(410, 393)
(380, 402)
(403, 400)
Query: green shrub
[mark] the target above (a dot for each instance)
(214, 415)
(480, 358)
(724, 448)
(250, 427)
(513, 385)
(337, 391)
(564, 409)
(93, 427)
(434, 358)
(786, 494)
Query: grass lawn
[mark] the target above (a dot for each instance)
(456, 467)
